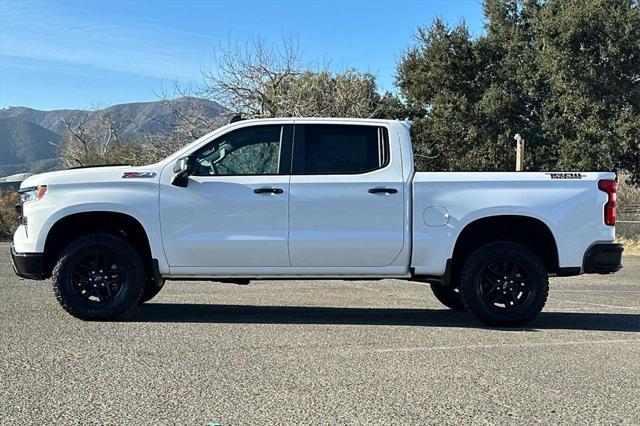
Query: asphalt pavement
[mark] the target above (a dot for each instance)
(321, 352)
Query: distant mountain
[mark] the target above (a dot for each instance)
(23, 146)
(136, 117)
(50, 120)
(28, 137)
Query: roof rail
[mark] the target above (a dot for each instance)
(237, 117)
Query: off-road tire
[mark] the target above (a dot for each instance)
(151, 290)
(476, 276)
(448, 297)
(116, 248)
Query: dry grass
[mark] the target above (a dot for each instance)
(627, 193)
(628, 210)
(631, 246)
(8, 214)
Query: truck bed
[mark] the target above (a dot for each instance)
(444, 203)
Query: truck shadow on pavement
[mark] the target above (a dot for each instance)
(250, 314)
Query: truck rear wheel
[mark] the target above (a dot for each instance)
(504, 283)
(98, 277)
(448, 296)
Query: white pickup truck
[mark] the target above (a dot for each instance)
(313, 199)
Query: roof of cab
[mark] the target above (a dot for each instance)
(405, 123)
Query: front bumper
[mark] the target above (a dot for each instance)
(603, 259)
(28, 265)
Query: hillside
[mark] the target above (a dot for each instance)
(137, 117)
(28, 137)
(23, 145)
(50, 120)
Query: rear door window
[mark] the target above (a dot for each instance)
(321, 149)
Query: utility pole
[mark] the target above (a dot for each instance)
(519, 152)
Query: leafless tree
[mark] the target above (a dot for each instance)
(259, 80)
(94, 140)
(251, 78)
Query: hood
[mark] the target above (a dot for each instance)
(94, 174)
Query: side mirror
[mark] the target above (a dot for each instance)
(184, 167)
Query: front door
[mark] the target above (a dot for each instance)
(234, 212)
(347, 197)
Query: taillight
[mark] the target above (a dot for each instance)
(610, 209)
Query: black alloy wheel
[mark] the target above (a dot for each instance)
(505, 285)
(97, 279)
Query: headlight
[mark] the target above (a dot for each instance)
(32, 193)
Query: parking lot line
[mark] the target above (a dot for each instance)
(502, 345)
(635, 308)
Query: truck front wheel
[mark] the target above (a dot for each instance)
(98, 277)
(504, 284)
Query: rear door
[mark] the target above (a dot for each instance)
(346, 207)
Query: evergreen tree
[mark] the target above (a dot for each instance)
(565, 74)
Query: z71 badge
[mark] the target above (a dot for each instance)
(566, 175)
(131, 175)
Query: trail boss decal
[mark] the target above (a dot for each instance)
(132, 175)
(566, 175)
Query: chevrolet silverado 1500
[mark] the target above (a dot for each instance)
(312, 199)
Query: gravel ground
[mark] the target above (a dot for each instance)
(327, 352)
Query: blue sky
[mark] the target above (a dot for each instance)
(58, 54)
